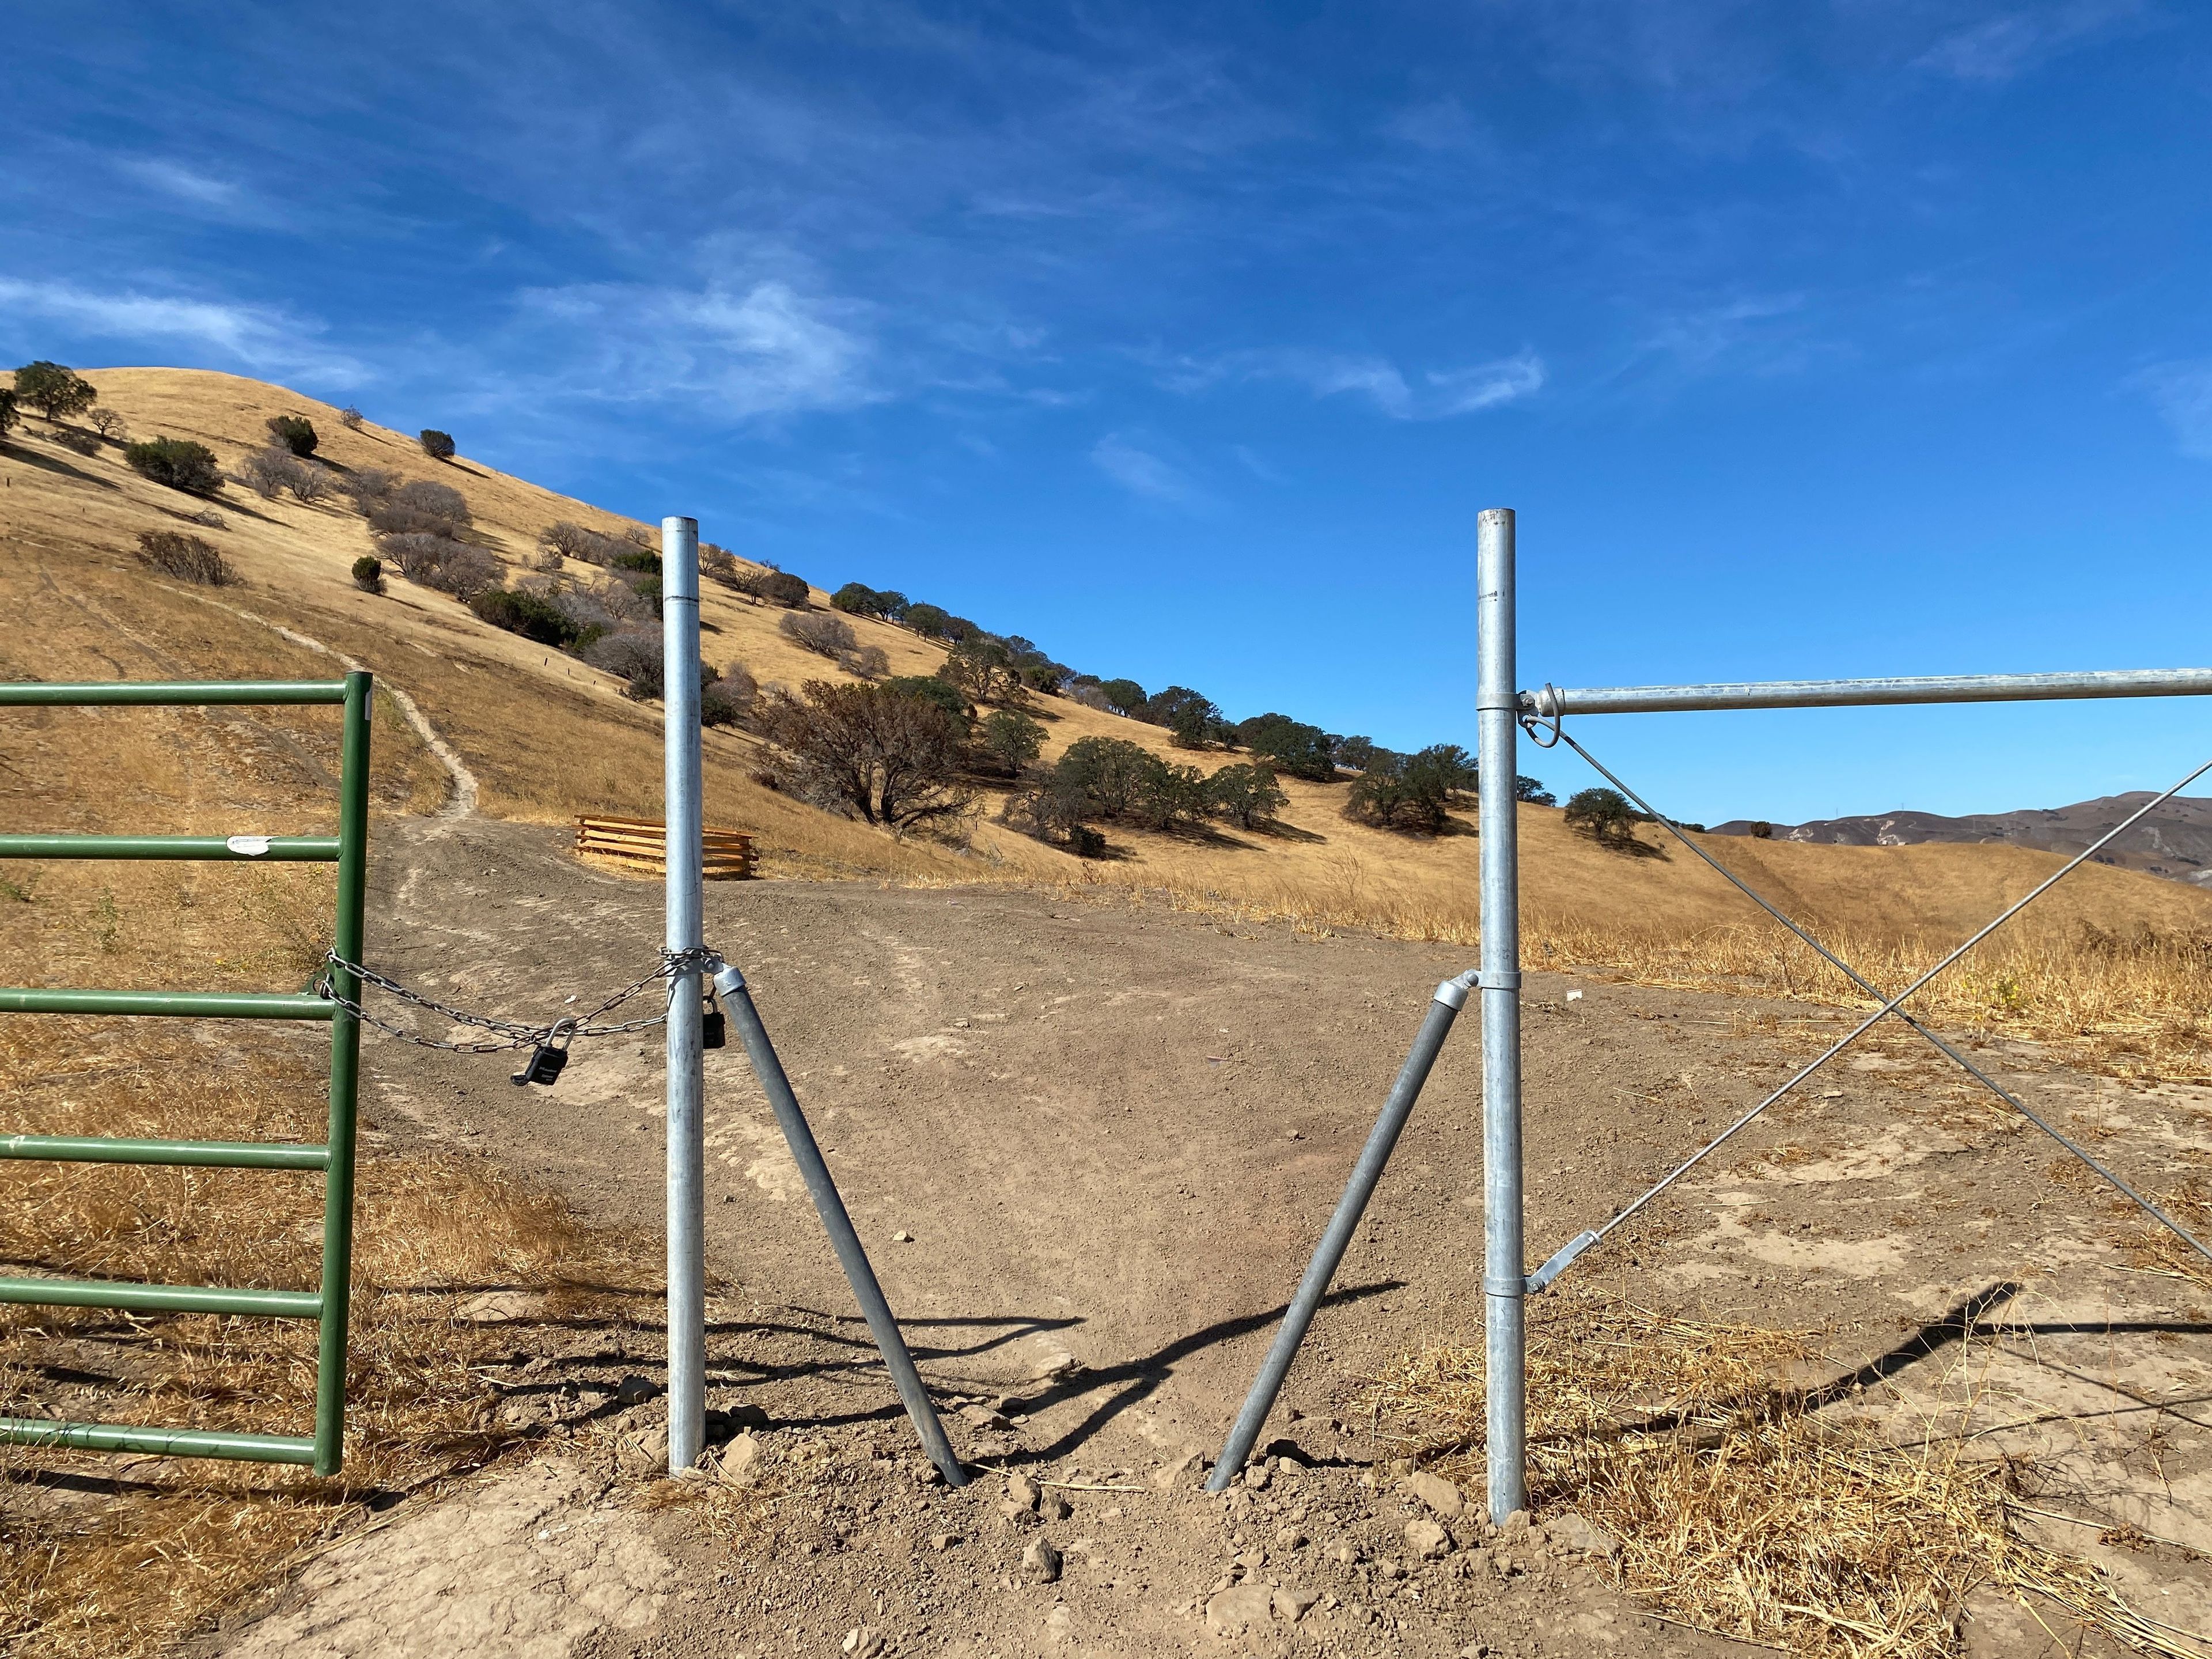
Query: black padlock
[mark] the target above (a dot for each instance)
(548, 1058)
(714, 1029)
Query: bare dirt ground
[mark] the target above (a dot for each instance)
(1111, 1134)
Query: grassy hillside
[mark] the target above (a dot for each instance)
(548, 736)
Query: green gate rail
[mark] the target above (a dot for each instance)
(349, 849)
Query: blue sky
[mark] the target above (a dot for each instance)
(1862, 337)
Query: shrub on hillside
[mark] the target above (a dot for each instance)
(864, 601)
(1355, 752)
(349, 418)
(635, 558)
(438, 446)
(717, 563)
(983, 669)
(107, 423)
(780, 587)
(729, 699)
(441, 562)
(1246, 794)
(370, 484)
(929, 689)
(868, 662)
(530, 615)
(884, 756)
(1114, 779)
(1532, 790)
(1190, 717)
(1122, 696)
(419, 506)
(81, 443)
(177, 462)
(187, 558)
(1412, 793)
(1091, 697)
(266, 472)
(1603, 815)
(296, 432)
(11, 413)
(1054, 813)
(633, 655)
(1289, 745)
(368, 573)
(54, 389)
(929, 621)
(1009, 741)
(309, 482)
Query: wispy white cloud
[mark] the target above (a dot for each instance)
(1143, 472)
(2024, 38)
(187, 184)
(1436, 395)
(762, 348)
(1256, 464)
(257, 338)
(2183, 393)
(1697, 339)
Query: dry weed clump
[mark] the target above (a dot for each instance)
(119, 1556)
(1738, 1504)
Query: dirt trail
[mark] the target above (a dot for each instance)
(1112, 1135)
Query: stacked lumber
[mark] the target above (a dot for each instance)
(642, 843)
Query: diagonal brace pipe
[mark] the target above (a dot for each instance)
(1443, 1009)
(882, 1324)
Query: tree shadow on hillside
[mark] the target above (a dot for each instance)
(54, 464)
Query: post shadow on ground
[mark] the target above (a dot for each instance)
(1968, 1317)
(1132, 1381)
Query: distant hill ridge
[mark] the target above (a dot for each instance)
(2174, 842)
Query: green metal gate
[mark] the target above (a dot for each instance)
(348, 849)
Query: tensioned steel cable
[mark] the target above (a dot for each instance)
(1558, 1263)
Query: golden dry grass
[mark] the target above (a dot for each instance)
(2134, 1003)
(1737, 1506)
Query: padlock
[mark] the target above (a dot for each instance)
(714, 1029)
(548, 1058)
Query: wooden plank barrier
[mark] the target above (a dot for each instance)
(643, 842)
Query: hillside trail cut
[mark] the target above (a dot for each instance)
(1087, 1144)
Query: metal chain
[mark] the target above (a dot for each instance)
(513, 1034)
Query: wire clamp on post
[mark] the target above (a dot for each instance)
(1537, 707)
(1542, 1279)
(1515, 1288)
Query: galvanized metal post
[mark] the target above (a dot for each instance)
(1496, 706)
(337, 1293)
(687, 1138)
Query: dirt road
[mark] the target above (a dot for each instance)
(1109, 1135)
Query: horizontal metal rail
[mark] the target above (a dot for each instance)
(162, 1298)
(196, 1154)
(246, 849)
(189, 1004)
(103, 694)
(159, 1442)
(1554, 701)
